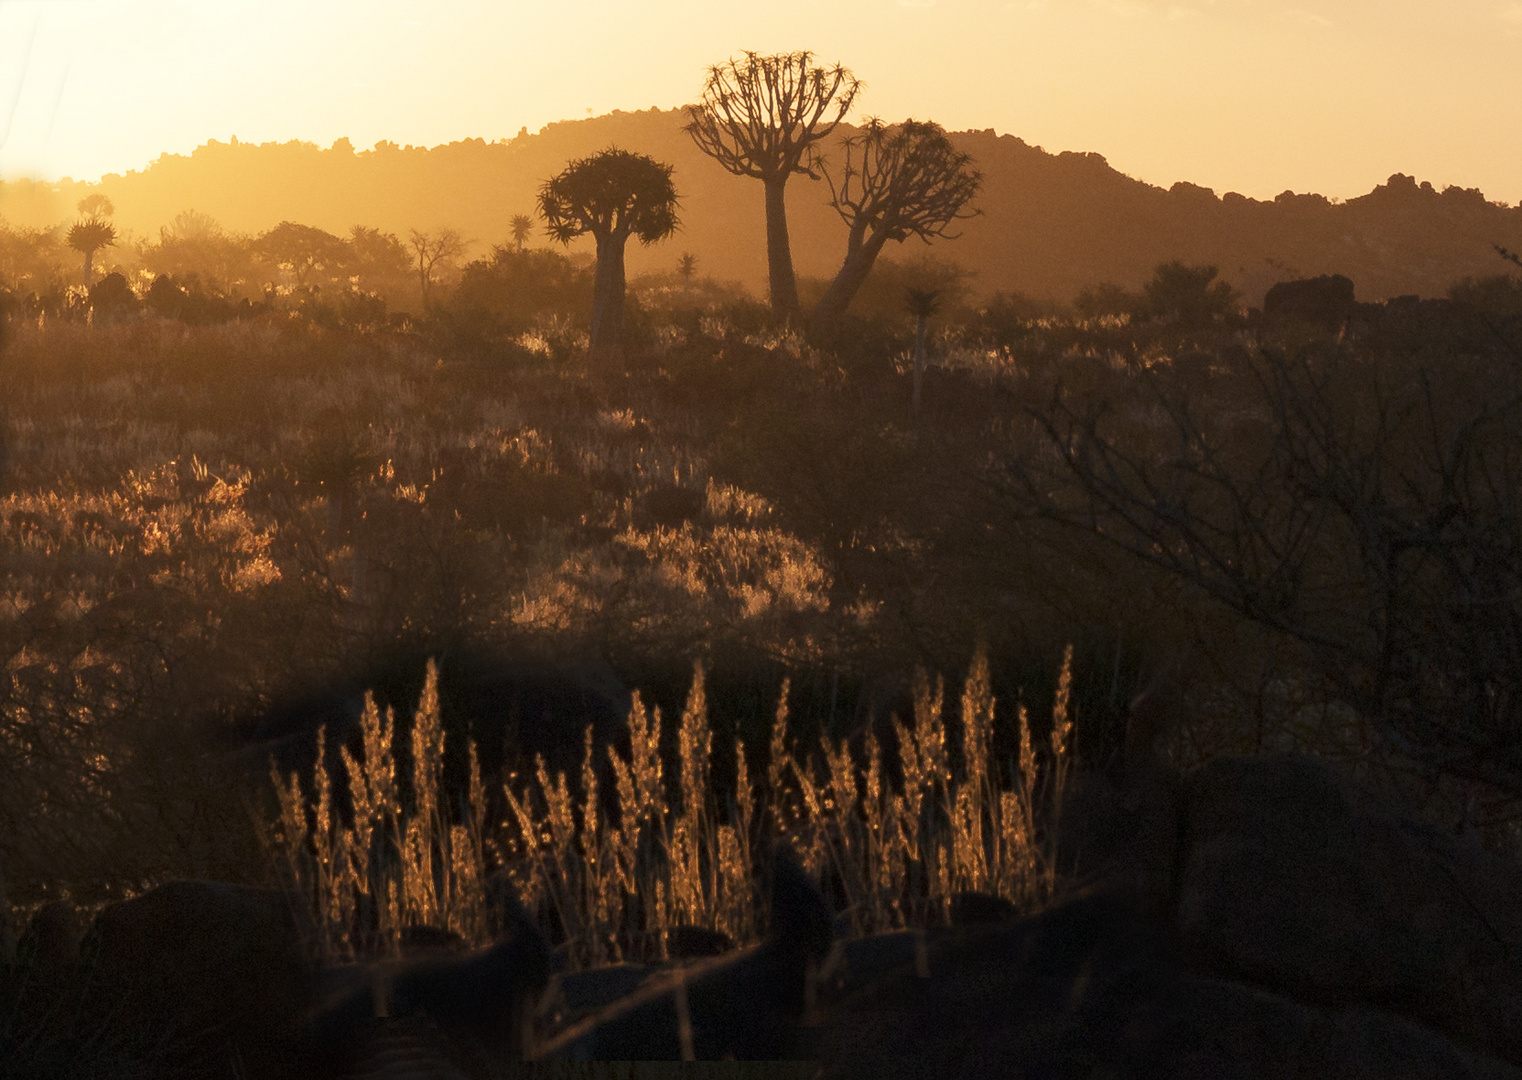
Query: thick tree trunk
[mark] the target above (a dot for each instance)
(608, 294)
(779, 255)
(848, 282)
(89, 267)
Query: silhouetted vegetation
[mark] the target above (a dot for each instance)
(763, 117)
(612, 195)
(896, 182)
(265, 492)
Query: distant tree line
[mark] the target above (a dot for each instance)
(199, 272)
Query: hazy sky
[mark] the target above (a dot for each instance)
(1249, 95)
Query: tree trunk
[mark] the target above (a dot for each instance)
(779, 255)
(919, 362)
(608, 293)
(89, 267)
(848, 282)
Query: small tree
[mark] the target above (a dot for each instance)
(1186, 295)
(96, 206)
(901, 181)
(303, 250)
(761, 116)
(431, 250)
(523, 228)
(612, 195)
(686, 266)
(88, 237)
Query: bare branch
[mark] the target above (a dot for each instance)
(760, 116)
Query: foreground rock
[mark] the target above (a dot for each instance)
(748, 1006)
(1294, 879)
(1258, 918)
(195, 979)
(1091, 989)
(467, 1013)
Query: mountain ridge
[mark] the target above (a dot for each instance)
(1050, 224)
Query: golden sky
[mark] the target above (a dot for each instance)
(1253, 96)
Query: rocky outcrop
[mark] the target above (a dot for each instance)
(748, 1006)
(1292, 878)
(196, 977)
(469, 1011)
(1325, 301)
(1258, 918)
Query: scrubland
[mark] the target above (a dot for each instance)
(842, 624)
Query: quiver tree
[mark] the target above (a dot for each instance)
(761, 116)
(523, 228)
(88, 237)
(614, 194)
(899, 181)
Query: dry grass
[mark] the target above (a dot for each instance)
(660, 851)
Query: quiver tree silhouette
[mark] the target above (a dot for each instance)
(614, 194)
(898, 181)
(761, 116)
(88, 237)
(523, 228)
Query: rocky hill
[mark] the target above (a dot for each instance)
(1050, 224)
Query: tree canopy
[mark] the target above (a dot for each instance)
(302, 249)
(898, 181)
(614, 194)
(762, 116)
(87, 237)
(611, 193)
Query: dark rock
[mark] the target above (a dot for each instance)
(196, 977)
(976, 909)
(416, 940)
(1323, 301)
(39, 996)
(478, 1006)
(581, 994)
(1125, 839)
(1293, 878)
(748, 1006)
(1094, 988)
(694, 942)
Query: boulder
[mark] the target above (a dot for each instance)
(1095, 988)
(197, 977)
(38, 996)
(477, 1007)
(1292, 878)
(748, 1005)
(1321, 301)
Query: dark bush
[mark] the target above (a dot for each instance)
(111, 298)
(509, 291)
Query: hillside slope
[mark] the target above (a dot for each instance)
(1050, 223)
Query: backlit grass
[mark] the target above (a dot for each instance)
(664, 851)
